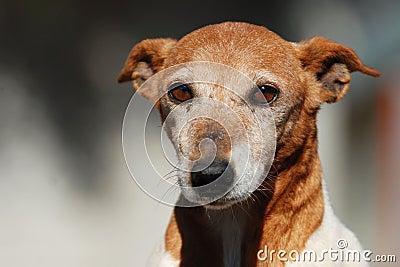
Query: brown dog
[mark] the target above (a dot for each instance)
(290, 210)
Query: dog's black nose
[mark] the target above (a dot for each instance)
(208, 175)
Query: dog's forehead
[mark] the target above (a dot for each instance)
(248, 48)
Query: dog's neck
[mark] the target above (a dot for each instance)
(230, 225)
(216, 237)
(285, 221)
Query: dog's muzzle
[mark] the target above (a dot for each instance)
(218, 172)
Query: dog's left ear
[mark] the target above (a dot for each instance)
(331, 64)
(145, 59)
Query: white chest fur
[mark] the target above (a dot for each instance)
(326, 237)
(231, 227)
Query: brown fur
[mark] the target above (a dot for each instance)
(311, 72)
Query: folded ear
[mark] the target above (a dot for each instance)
(331, 64)
(145, 59)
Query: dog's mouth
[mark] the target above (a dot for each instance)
(225, 202)
(211, 200)
(216, 187)
(219, 205)
(211, 184)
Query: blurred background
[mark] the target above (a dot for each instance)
(66, 196)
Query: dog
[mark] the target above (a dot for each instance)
(288, 209)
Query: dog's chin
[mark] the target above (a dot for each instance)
(221, 203)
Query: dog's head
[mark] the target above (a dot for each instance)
(272, 87)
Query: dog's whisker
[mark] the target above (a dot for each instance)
(170, 190)
(243, 208)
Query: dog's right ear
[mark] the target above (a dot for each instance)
(145, 59)
(331, 64)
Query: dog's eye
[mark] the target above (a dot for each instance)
(266, 94)
(180, 93)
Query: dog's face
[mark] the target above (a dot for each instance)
(236, 98)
